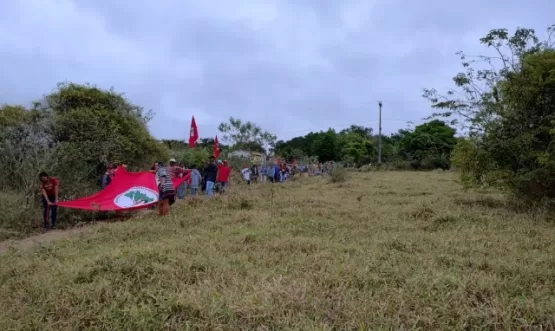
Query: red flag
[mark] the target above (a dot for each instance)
(216, 147)
(193, 138)
(127, 191)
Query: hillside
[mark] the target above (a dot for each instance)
(391, 250)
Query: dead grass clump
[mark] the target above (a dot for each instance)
(239, 203)
(422, 213)
(486, 202)
(338, 175)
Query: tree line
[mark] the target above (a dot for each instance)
(427, 146)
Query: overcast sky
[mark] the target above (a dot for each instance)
(291, 66)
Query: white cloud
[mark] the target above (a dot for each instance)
(287, 65)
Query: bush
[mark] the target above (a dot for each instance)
(471, 162)
(338, 175)
(510, 114)
(524, 163)
(435, 162)
(72, 134)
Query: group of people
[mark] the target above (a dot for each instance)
(214, 177)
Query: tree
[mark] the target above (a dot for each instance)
(103, 125)
(246, 135)
(327, 148)
(356, 145)
(71, 133)
(432, 141)
(510, 112)
(358, 130)
(13, 115)
(181, 151)
(475, 101)
(25, 148)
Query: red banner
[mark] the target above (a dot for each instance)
(127, 191)
(193, 135)
(216, 148)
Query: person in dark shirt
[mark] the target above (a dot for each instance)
(254, 173)
(109, 175)
(210, 175)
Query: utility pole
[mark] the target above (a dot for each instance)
(380, 135)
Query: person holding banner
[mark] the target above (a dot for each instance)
(49, 190)
(167, 193)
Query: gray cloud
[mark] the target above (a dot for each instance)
(290, 66)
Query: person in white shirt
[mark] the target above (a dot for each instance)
(246, 172)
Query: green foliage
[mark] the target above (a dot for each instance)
(338, 175)
(15, 115)
(196, 157)
(327, 147)
(192, 157)
(178, 146)
(246, 136)
(103, 125)
(428, 146)
(357, 145)
(511, 114)
(72, 133)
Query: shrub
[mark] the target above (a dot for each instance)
(72, 134)
(338, 175)
(510, 114)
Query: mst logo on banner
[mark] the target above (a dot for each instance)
(136, 196)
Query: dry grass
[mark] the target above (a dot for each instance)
(381, 251)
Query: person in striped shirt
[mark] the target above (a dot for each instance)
(167, 193)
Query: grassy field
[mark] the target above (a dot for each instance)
(382, 251)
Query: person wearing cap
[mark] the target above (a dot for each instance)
(177, 172)
(167, 193)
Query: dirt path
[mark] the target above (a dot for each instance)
(30, 242)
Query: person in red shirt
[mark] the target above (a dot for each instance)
(224, 174)
(49, 190)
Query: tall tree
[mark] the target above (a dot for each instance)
(475, 100)
(356, 145)
(73, 132)
(246, 135)
(510, 111)
(327, 148)
(428, 139)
